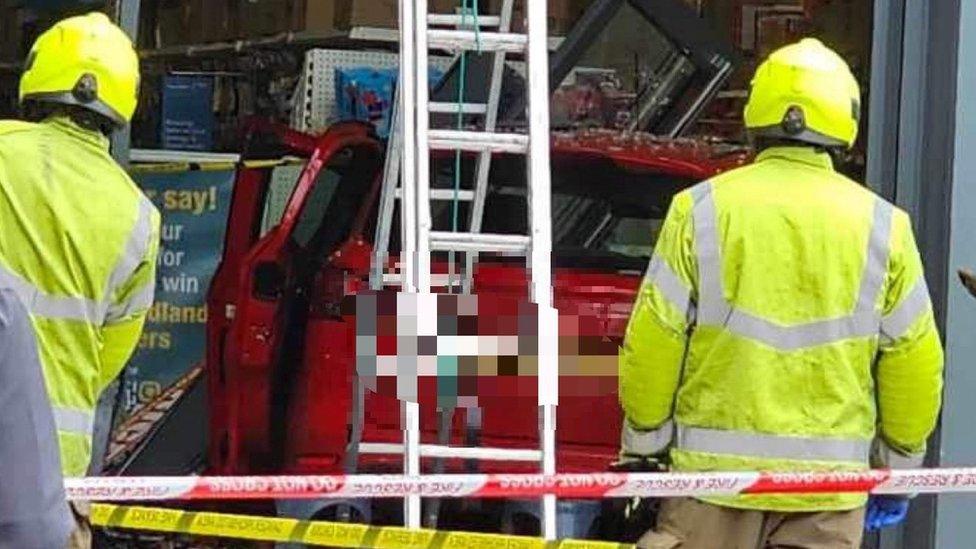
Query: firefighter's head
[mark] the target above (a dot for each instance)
(804, 93)
(85, 66)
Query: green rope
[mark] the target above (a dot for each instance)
(456, 205)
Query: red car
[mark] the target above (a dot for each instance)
(280, 356)
(281, 353)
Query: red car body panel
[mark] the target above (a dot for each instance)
(248, 380)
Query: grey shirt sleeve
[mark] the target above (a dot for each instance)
(33, 510)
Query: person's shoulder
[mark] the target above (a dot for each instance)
(688, 198)
(124, 183)
(12, 127)
(13, 133)
(899, 220)
(744, 171)
(865, 191)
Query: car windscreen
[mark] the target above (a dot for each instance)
(588, 230)
(602, 217)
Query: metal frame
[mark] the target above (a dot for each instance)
(953, 515)
(315, 95)
(483, 168)
(128, 19)
(410, 411)
(713, 57)
(539, 184)
(110, 401)
(920, 155)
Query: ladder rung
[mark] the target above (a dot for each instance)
(465, 108)
(455, 20)
(441, 241)
(436, 280)
(445, 194)
(438, 451)
(467, 40)
(450, 140)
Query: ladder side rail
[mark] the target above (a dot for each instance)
(408, 260)
(491, 107)
(422, 146)
(388, 195)
(422, 204)
(540, 257)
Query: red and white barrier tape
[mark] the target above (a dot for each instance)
(591, 485)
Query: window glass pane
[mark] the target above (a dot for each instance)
(316, 205)
(626, 79)
(581, 222)
(633, 236)
(283, 182)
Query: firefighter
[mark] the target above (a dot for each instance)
(78, 239)
(784, 324)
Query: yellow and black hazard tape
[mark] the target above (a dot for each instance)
(180, 167)
(333, 534)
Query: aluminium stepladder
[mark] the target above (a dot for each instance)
(409, 160)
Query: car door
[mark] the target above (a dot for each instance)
(262, 284)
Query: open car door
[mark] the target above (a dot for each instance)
(256, 286)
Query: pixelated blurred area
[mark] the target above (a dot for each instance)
(465, 351)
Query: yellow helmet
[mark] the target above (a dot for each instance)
(805, 92)
(85, 61)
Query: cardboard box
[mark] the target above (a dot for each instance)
(379, 13)
(563, 14)
(170, 20)
(366, 13)
(313, 15)
(845, 26)
(12, 46)
(182, 22)
(264, 17)
(220, 20)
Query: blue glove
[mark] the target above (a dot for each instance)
(884, 511)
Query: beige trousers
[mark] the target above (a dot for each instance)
(81, 537)
(691, 524)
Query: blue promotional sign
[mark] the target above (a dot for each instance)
(188, 119)
(194, 207)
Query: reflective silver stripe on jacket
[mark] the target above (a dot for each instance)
(761, 445)
(646, 443)
(49, 306)
(70, 420)
(660, 274)
(896, 324)
(140, 301)
(132, 255)
(87, 310)
(713, 309)
(876, 265)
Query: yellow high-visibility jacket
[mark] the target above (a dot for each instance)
(784, 324)
(78, 243)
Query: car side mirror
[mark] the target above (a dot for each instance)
(269, 281)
